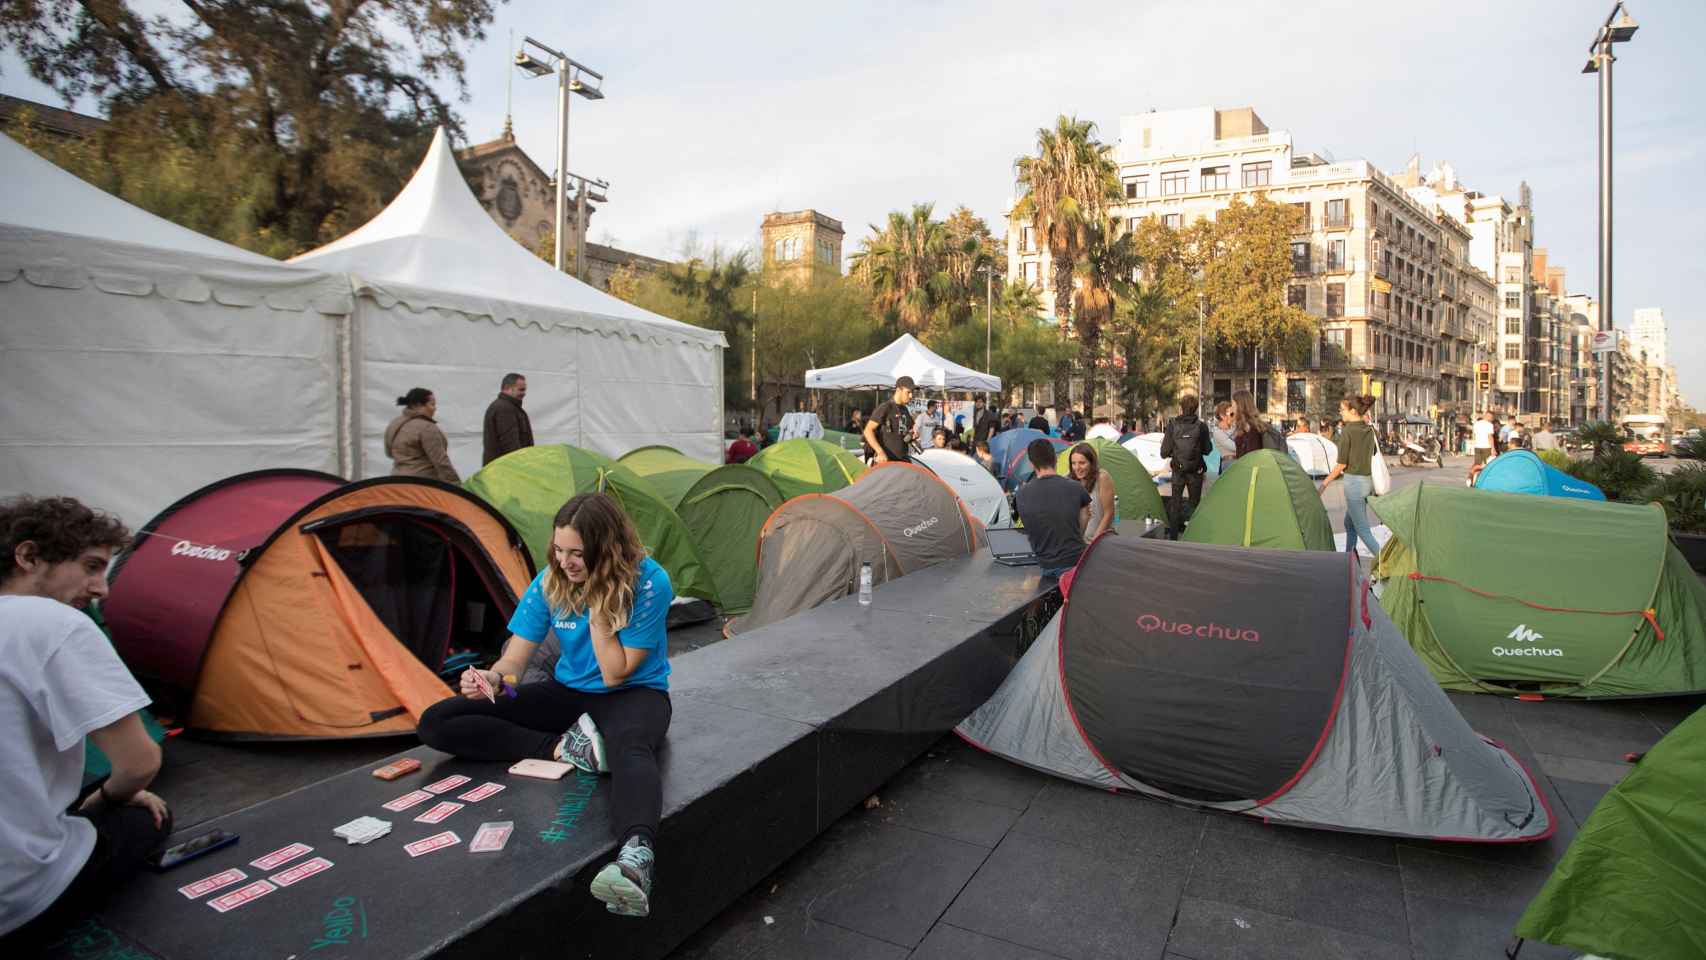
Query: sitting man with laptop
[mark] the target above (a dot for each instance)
(1055, 510)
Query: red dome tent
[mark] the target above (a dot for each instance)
(286, 603)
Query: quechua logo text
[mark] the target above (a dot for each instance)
(1150, 623)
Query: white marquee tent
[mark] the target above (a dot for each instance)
(142, 360)
(446, 300)
(905, 357)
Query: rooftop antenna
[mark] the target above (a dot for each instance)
(509, 87)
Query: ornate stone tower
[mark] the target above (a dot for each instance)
(801, 245)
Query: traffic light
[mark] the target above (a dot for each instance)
(1483, 375)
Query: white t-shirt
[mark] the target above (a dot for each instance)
(1483, 435)
(798, 425)
(59, 680)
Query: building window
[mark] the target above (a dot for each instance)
(1382, 298)
(1302, 215)
(1513, 351)
(1297, 295)
(1335, 255)
(1513, 300)
(1296, 394)
(1258, 174)
(1513, 326)
(1173, 182)
(1031, 268)
(825, 251)
(1336, 338)
(1136, 187)
(1335, 299)
(1216, 178)
(1300, 256)
(1374, 214)
(1337, 214)
(1173, 221)
(1131, 225)
(1513, 377)
(1513, 274)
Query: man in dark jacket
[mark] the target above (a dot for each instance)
(507, 427)
(1186, 444)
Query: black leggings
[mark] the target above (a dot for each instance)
(632, 720)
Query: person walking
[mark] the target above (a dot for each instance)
(1186, 444)
(1220, 431)
(507, 427)
(1054, 511)
(1086, 468)
(1483, 438)
(889, 428)
(1357, 447)
(605, 707)
(414, 442)
(1545, 439)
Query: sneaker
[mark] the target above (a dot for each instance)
(583, 746)
(625, 884)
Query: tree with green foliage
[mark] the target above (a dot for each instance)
(1246, 277)
(1025, 347)
(707, 289)
(276, 125)
(905, 265)
(1104, 281)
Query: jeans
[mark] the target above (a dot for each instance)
(1182, 501)
(632, 721)
(1357, 489)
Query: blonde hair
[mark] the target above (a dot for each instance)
(612, 553)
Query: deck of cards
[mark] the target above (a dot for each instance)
(484, 686)
(363, 830)
(492, 837)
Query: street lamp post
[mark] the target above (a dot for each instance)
(570, 79)
(1619, 27)
(988, 316)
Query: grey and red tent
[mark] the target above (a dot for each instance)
(1300, 703)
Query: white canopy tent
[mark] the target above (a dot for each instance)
(446, 300)
(142, 360)
(905, 357)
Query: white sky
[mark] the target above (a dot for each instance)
(718, 113)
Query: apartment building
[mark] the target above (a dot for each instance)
(1582, 320)
(1366, 258)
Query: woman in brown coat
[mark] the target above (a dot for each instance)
(415, 444)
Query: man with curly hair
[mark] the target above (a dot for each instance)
(61, 848)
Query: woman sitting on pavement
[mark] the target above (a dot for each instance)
(608, 603)
(1357, 446)
(1087, 469)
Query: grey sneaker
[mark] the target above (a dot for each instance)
(583, 746)
(625, 884)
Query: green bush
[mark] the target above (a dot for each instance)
(1682, 493)
(1622, 476)
(1556, 458)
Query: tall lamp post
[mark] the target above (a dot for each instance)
(988, 316)
(570, 79)
(1202, 375)
(1619, 27)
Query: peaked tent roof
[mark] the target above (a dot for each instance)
(435, 246)
(905, 357)
(1263, 500)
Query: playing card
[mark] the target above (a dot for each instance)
(392, 771)
(301, 871)
(281, 856)
(438, 812)
(360, 827)
(437, 841)
(447, 784)
(218, 881)
(484, 686)
(407, 800)
(481, 792)
(230, 901)
(491, 837)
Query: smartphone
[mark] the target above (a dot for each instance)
(187, 850)
(541, 769)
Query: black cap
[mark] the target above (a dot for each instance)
(904, 382)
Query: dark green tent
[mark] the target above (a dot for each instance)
(724, 508)
(530, 485)
(1633, 882)
(1512, 593)
(1133, 483)
(807, 466)
(1263, 500)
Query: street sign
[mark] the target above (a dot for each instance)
(1605, 341)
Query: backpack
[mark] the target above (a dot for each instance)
(1272, 439)
(1188, 444)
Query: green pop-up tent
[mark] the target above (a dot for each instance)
(1263, 500)
(1132, 482)
(807, 466)
(1510, 593)
(530, 485)
(724, 509)
(1633, 882)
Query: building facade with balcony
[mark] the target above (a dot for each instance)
(1366, 258)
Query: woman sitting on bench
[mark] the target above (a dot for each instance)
(608, 603)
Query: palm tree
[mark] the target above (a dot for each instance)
(1068, 184)
(1104, 280)
(904, 264)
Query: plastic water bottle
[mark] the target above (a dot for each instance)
(865, 583)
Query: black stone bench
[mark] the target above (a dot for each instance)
(775, 735)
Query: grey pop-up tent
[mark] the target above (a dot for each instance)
(1303, 705)
(898, 517)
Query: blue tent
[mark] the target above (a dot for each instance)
(1520, 471)
(1019, 469)
(1008, 444)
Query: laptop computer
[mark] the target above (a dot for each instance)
(1010, 546)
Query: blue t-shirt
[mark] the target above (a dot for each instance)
(577, 668)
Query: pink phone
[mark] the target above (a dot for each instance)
(541, 769)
